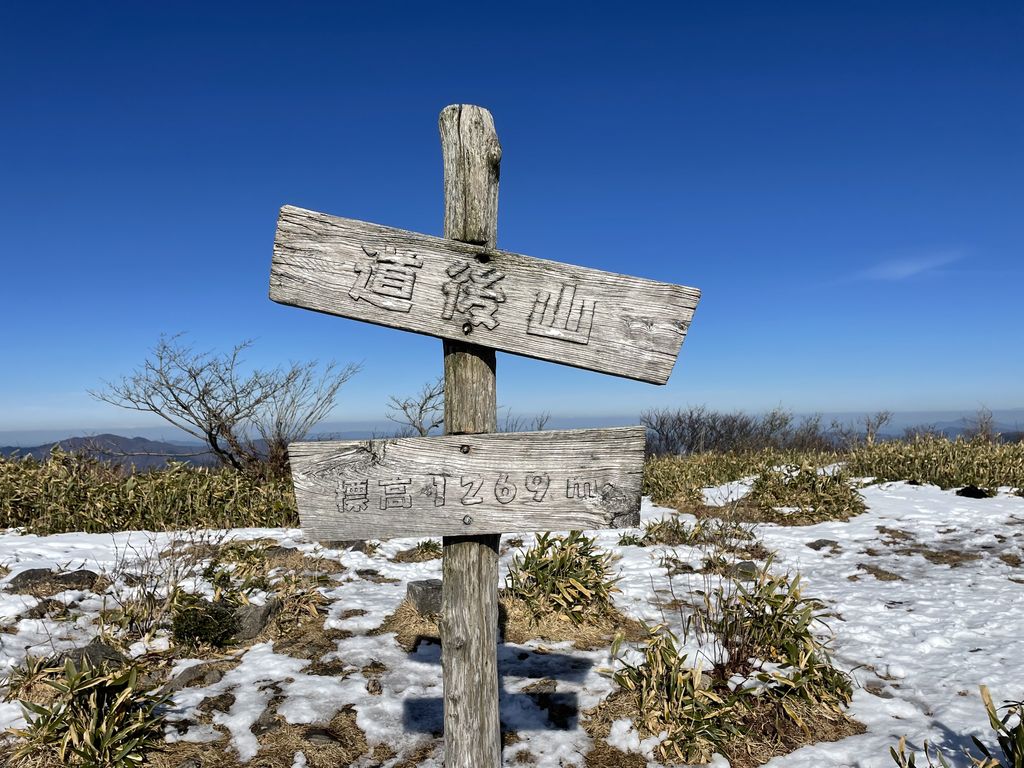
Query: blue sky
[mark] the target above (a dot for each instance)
(842, 180)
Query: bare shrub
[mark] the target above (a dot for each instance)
(419, 414)
(696, 429)
(208, 396)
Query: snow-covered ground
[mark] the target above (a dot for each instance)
(918, 641)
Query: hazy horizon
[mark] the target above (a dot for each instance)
(1005, 418)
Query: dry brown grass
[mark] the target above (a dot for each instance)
(410, 627)
(596, 631)
(421, 553)
(518, 625)
(767, 731)
(345, 744)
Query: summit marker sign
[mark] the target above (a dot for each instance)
(586, 318)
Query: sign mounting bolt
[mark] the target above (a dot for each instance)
(467, 519)
(464, 448)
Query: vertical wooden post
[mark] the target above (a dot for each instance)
(469, 604)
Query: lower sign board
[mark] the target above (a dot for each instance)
(469, 484)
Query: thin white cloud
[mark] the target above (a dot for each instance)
(905, 268)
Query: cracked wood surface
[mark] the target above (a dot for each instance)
(585, 318)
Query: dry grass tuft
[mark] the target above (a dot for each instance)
(421, 553)
(597, 630)
(410, 627)
(519, 624)
(767, 731)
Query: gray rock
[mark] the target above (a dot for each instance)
(194, 676)
(320, 736)
(745, 569)
(268, 720)
(544, 685)
(80, 579)
(95, 653)
(425, 595)
(222, 703)
(190, 762)
(29, 579)
(356, 545)
(279, 551)
(819, 544)
(34, 579)
(253, 619)
(43, 608)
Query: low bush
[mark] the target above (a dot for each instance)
(772, 690)
(1008, 730)
(67, 492)
(568, 575)
(96, 718)
(769, 620)
(694, 711)
(942, 462)
(197, 621)
(801, 495)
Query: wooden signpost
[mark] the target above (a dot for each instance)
(469, 486)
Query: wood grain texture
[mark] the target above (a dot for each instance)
(471, 155)
(469, 484)
(586, 318)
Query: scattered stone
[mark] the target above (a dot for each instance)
(279, 551)
(44, 608)
(372, 574)
(80, 579)
(44, 582)
(320, 737)
(253, 619)
(268, 720)
(190, 762)
(974, 492)
(221, 703)
(366, 547)
(198, 675)
(544, 685)
(26, 580)
(819, 544)
(745, 569)
(425, 595)
(95, 653)
(878, 688)
(879, 573)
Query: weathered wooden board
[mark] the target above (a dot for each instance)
(469, 484)
(585, 318)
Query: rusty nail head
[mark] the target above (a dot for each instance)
(467, 519)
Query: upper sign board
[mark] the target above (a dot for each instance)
(585, 318)
(469, 484)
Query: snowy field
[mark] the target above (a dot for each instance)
(927, 588)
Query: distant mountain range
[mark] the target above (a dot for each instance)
(144, 453)
(127, 451)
